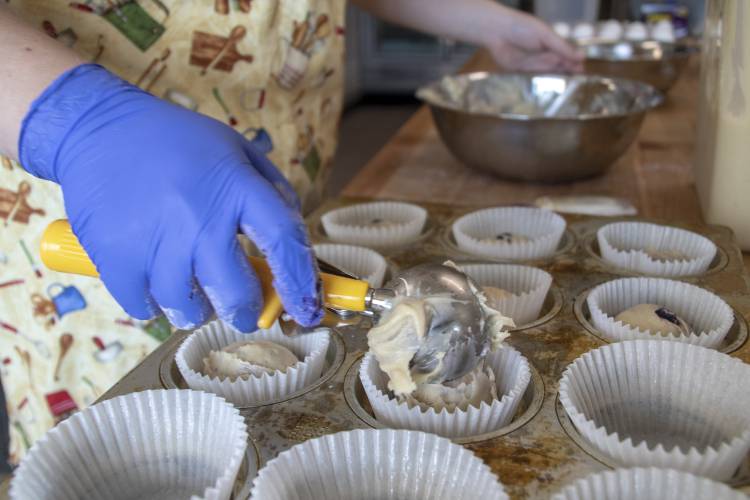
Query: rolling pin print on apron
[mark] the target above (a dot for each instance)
(270, 69)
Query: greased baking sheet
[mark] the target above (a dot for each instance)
(540, 451)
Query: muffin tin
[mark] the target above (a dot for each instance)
(540, 451)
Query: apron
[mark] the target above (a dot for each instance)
(257, 65)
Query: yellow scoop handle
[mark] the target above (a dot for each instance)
(61, 251)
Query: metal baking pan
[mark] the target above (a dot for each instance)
(540, 451)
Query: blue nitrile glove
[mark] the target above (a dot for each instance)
(157, 193)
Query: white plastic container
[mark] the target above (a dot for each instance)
(722, 175)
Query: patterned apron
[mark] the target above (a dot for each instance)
(268, 65)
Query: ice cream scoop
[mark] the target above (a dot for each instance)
(455, 336)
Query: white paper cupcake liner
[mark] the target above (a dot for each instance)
(151, 444)
(475, 233)
(362, 262)
(512, 376)
(647, 484)
(378, 464)
(310, 348)
(528, 286)
(380, 224)
(709, 317)
(624, 245)
(662, 404)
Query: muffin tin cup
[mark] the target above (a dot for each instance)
(362, 262)
(377, 463)
(528, 286)
(512, 376)
(662, 404)
(625, 245)
(647, 484)
(475, 233)
(709, 317)
(310, 348)
(354, 224)
(162, 443)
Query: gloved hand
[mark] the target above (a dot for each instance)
(156, 194)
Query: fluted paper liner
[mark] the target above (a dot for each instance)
(475, 232)
(647, 484)
(378, 464)
(151, 444)
(528, 286)
(310, 348)
(362, 262)
(399, 224)
(708, 316)
(661, 404)
(512, 376)
(625, 245)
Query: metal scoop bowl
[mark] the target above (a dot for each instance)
(456, 339)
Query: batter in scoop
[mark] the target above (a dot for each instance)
(401, 332)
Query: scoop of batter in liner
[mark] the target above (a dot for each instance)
(244, 359)
(654, 318)
(470, 390)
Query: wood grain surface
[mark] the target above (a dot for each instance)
(655, 174)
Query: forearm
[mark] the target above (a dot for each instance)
(468, 21)
(31, 61)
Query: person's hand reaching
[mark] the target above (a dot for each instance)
(157, 193)
(524, 43)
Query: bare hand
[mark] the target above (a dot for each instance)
(524, 43)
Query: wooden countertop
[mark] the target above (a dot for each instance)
(655, 174)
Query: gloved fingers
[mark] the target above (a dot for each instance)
(268, 170)
(280, 233)
(129, 287)
(228, 280)
(175, 289)
(119, 268)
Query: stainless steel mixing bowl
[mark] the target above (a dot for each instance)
(496, 123)
(656, 63)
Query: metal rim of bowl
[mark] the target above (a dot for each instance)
(657, 98)
(536, 384)
(167, 364)
(580, 309)
(679, 51)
